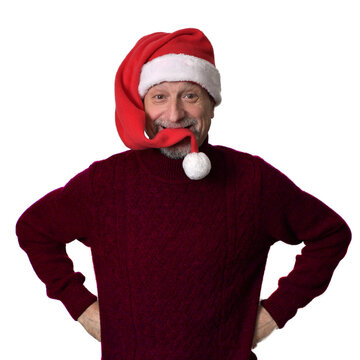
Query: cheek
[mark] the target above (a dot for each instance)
(150, 117)
(150, 110)
(204, 122)
(152, 114)
(149, 125)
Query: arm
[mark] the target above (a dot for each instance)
(294, 216)
(46, 227)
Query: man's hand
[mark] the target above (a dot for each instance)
(265, 325)
(90, 320)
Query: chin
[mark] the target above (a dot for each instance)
(176, 151)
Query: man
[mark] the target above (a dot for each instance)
(179, 229)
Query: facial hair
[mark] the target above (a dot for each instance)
(183, 147)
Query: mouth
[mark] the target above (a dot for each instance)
(180, 127)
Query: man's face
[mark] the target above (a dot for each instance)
(178, 104)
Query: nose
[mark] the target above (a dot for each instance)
(175, 111)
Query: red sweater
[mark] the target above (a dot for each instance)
(179, 263)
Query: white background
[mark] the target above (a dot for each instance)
(290, 78)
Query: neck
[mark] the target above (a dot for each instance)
(164, 168)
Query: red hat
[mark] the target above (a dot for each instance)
(184, 55)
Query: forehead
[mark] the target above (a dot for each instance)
(176, 85)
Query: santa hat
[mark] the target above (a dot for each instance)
(184, 55)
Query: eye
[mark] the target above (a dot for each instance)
(191, 96)
(159, 97)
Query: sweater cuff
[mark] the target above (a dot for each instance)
(77, 299)
(281, 314)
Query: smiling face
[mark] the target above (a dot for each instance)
(178, 104)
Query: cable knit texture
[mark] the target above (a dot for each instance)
(179, 263)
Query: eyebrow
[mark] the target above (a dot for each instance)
(188, 86)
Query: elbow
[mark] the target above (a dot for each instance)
(344, 236)
(20, 231)
(27, 230)
(347, 233)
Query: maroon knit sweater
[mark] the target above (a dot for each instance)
(179, 263)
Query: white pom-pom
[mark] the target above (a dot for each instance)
(196, 165)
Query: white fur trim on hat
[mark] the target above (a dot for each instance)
(180, 67)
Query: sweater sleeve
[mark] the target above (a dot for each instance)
(44, 229)
(294, 216)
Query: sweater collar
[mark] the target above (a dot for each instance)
(163, 168)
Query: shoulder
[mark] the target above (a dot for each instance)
(239, 161)
(253, 167)
(242, 158)
(104, 170)
(112, 160)
(234, 154)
